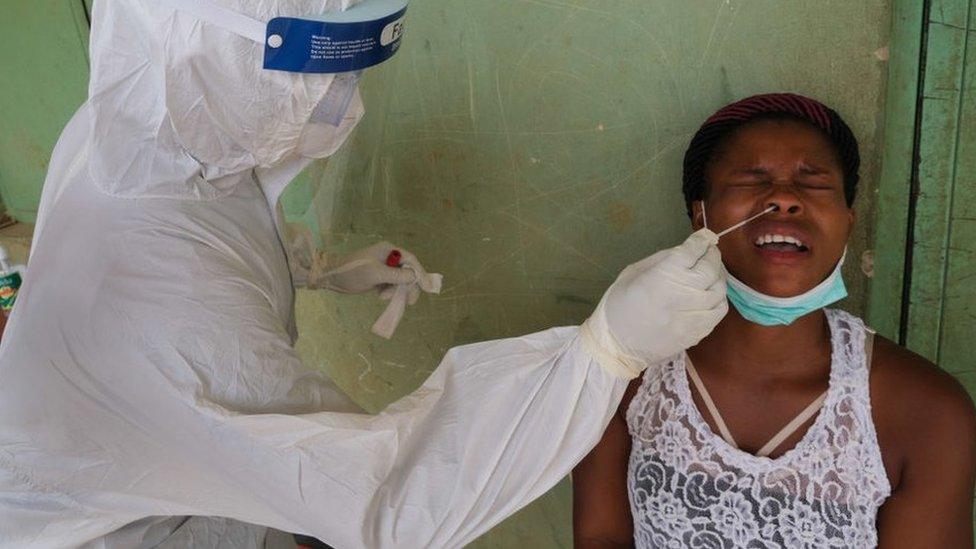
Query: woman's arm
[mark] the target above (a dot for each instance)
(601, 512)
(928, 425)
(933, 504)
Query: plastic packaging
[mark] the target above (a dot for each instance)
(11, 278)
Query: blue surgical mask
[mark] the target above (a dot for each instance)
(768, 310)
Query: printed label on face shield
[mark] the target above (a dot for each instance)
(365, 35)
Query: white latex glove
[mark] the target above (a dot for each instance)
(366, 270)
(659, 306)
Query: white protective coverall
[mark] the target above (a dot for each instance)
(148, 369)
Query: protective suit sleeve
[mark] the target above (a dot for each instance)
(496, 426)
(176, 432)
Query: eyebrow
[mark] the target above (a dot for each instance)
(812, 169)
(757, 171)
(804, 168)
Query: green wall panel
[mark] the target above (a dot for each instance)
(939, 292)
(957, 327)
(937, 153)
(45, 74)
(941, 319)
(894, 189)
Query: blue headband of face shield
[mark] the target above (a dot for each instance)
(362, 36)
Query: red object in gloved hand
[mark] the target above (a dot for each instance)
(393, 260)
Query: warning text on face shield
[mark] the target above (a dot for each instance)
(325, 48)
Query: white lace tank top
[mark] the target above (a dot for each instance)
(689, 488)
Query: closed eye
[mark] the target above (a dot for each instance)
(817, 185)
(749, 181)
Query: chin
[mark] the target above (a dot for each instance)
(781, 284)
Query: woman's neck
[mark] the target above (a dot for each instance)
(766, 351)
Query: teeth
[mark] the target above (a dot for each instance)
(770, 238)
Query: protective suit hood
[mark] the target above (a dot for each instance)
(181, 107)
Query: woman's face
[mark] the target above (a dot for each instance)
(793, 166)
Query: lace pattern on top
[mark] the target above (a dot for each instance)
(689, 488)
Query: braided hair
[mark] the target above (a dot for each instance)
(721, 125)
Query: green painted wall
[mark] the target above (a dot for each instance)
(958, 326)
(529, 150)
(44, 67)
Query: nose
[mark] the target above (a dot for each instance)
(785, 201)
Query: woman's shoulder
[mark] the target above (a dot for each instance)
(902, 378)
(648, 382)
(916, 406)
(629, 395)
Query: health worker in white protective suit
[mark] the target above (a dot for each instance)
(147, 374)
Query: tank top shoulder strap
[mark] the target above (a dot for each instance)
(651, 382)
(869, 347)
(859, 343)
(849, 347)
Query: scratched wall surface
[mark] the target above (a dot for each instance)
(530, 149)
(44, 63)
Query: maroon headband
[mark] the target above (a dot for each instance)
(786, 103)
(734, 115)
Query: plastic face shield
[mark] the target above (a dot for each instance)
(362, 36)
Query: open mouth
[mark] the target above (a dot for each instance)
(774, 242)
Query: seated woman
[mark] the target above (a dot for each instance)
(879, 445)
